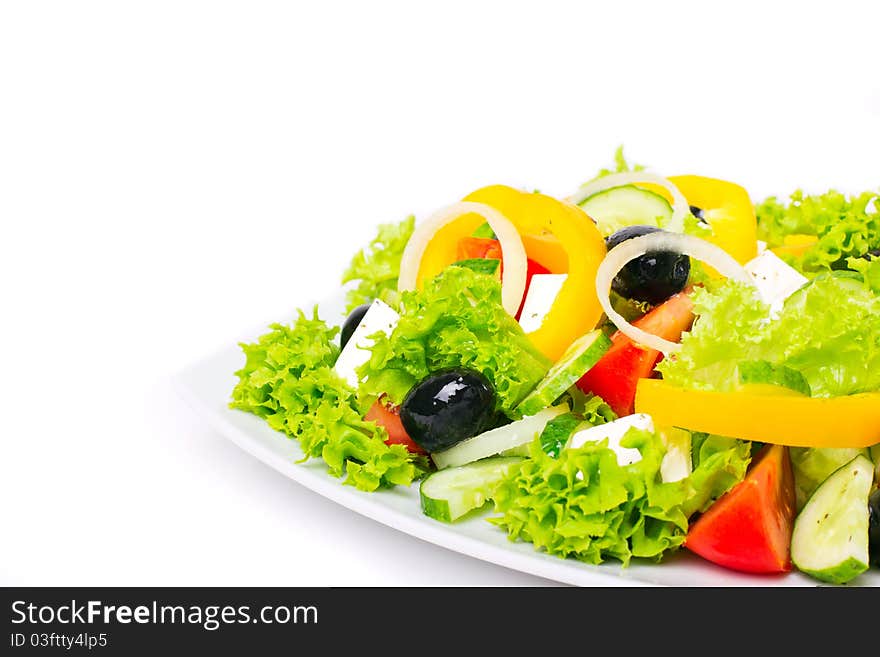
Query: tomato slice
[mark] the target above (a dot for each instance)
(478, 247)
(615, 376)
(749, 527)
(389, 418)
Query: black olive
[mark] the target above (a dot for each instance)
(874, 527)
(448, 407)
(653, 277)
(699, 214)
(351, 323)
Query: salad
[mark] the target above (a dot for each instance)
(651, 364)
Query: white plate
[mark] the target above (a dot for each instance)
(207, 385)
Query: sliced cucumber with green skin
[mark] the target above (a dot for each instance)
(498, 440)
(830, 537)
(628, 205)
(448, 494)
(521, 450)
(813, 465)
(580, 356)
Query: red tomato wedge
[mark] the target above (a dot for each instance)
(615, 376)
(749, 527)
(478, 247)
(389, 418)
(482, 247)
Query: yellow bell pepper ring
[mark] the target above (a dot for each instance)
(781, 419)
(576, 309)
(728, 209)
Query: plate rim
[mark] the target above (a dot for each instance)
(530, 561)
(332, 489)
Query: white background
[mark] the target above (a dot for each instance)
(174, 173)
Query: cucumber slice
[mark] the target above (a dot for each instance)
(830, 537)
(497, 440)
(448, 494)
(580, 356)
(813, 465)
(618, 207)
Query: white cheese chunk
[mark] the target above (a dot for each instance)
(676, 463)
(542, 293)
(774, 279)
(614, 432)
(379, 317)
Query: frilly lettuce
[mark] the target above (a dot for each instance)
(620, 165)
(456, 320)
(730, 327)
(585, 506)
(377, 267)
(829, 331)
(868, 268)
(288, 379)
(845, 227)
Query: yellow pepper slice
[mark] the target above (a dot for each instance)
(546, 250)
(443, 247)
(728, 210)
(726, 207)
(576, 309)
(781, 419)
(795, 245)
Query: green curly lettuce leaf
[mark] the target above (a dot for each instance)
(845, 226)
(868, 267)
(838, 353)
(583, 505)
(288, 379)
(377, 267)
(620, 165)
(456, 320)
(729, 329)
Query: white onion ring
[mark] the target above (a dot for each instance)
(680, 206)
(627, 251)
(513, 278)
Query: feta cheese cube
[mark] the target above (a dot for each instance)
(774, 279)
(379, 317)
(676, 463)
(542, 293)
(614, 432)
